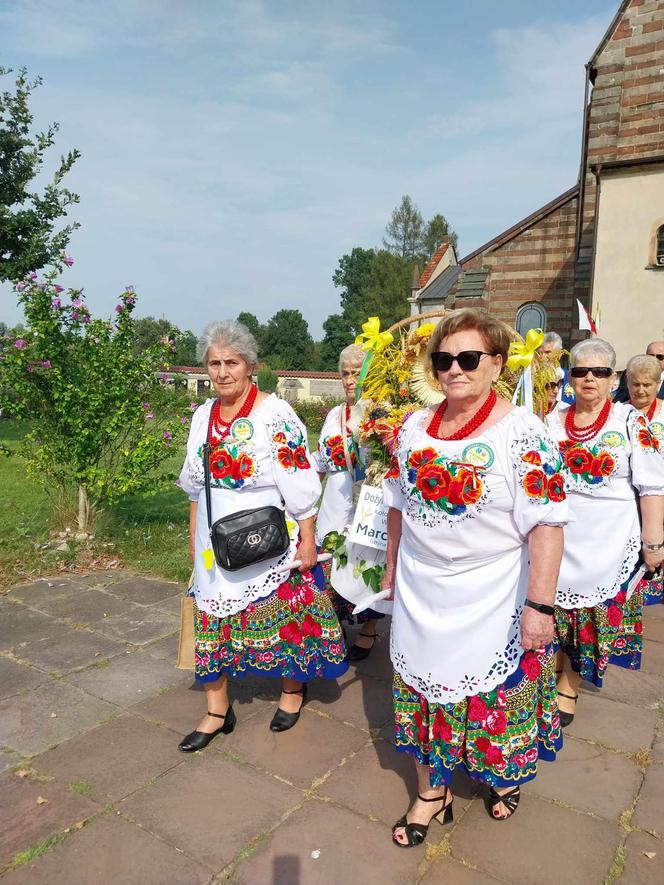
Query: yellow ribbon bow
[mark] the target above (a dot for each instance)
(371, 338)
(521, 353)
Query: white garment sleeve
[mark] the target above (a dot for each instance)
(646, 456)
(535, 476)
(294, 472)
(192, 480)
(393, 490)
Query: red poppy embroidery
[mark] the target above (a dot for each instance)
(221, 463)
(534, 483)
(285, 456)
(422, 456)
(300, 458)
(578, 460)
(393, 472)
(603, 465)
(465, 488)
(647, 439)
(432, 481)
(532, 457)
(555, 488)
(280, 438)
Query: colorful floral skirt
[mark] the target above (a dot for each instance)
(653, 591)
(609, 632)
(342, 607)
(293, 632)
(497, 736)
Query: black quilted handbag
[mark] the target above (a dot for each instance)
(248, 536)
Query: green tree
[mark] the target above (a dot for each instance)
(338, 334)
(386, 293)
(436, 229)
(287, 343)
(267, 380)
(185, 355)
(404, 230)
(256, 328)
(103, 421)
(29, 239)
(351, 276)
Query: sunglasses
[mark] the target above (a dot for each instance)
(658, 356)
(596, 371)
(553, 385)
(467, 360)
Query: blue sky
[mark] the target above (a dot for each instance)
(234, 151)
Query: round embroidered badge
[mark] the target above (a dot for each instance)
(242, 429)
(613, 438)
(479, 455)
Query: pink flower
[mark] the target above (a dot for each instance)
(46, 364)
(32, 275)
(56, 304)
(21, 286)
(30, 368)
(58, 289)
(531, 754)
(75, 302)
(496, 722)
(531, 666)
(85, 318)
(193, 406)
(74, 315)
(149, 416)
(477, 709)
(19, 344)
(520, 760)
(146, 405)
(184, 420)
(68, 260)
(167, 433)
(119, 308)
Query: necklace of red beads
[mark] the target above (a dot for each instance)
(470, 427)
(583, 434)
(219, 428)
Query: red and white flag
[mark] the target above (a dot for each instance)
(585, 320)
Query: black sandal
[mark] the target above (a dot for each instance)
(510, 800)
(417, 833)
(282, 721)
(566, 718)
(357, 653)
(198, 740)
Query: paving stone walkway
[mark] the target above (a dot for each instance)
(94, 790)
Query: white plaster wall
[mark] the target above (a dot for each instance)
(630, 298)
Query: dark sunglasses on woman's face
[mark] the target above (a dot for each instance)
(658, 356)
(597, 371)
(468, 360)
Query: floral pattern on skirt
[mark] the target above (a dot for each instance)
(497, 736)
(293, 632)
(653, 591)
(609, 632)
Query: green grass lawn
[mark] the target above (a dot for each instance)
(148, 533)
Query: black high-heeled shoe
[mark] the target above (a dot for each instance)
(357, 653)
(510, 800)
(282, 721)
(417, 833)
(198, 740)
(566, 718)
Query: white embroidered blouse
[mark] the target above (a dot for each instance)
(603, 542)
(462, 569)
(336, 509)
(264, 461)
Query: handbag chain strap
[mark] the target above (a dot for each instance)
(206, 472)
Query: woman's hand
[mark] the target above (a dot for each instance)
(536, 629)
(306, 553)
(652, 558)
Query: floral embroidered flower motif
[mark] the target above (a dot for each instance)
(450, 486)
(290, 448)
(230, 466)
(645, 436)
(591, 465)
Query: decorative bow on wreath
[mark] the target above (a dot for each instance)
(520, 357)
(371, 338)
(373, 341)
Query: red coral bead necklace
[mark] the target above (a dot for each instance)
(583, 434)
(470, 427)
(219, 428)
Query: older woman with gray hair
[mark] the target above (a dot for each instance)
(339, 459)
(266, 617)
(643, 381)
(613, 473)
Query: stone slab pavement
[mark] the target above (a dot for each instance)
(94, 790)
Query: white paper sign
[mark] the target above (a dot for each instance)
(370, 521)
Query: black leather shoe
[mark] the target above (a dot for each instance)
(567, 718)
(198, 740)
(357, 653)
(282, 721)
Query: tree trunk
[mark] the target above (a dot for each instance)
(85, 510)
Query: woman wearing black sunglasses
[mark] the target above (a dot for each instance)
(613, 468)
(473, 491)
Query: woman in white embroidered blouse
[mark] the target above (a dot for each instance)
(337, 507)
(643, 382)
(263, 619)
(473, 490)
(611, 460)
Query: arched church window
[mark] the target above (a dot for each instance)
(530, 316)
